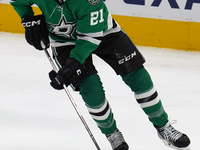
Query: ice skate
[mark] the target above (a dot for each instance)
(117, 141)
(173, 138)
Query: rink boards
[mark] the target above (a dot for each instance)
(149, 23)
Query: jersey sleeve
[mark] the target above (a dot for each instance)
(91, 20)
(22, 7)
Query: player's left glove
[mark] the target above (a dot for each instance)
(66, 75)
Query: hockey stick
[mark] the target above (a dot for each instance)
(71, 98)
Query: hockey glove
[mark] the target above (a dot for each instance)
(36, 31)
(66, 75)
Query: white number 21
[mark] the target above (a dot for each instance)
(96, 17)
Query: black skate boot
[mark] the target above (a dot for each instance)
(173, 138)
(117, 141)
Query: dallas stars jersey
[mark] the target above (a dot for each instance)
(77, 22)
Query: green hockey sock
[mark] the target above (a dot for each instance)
(140, 82)
(103, 116)
(93, 94)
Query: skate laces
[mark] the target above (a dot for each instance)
(169, 133)
(115, 138)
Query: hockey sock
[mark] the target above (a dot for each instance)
(92, 92)
(140, 82)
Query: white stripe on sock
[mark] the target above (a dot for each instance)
(150, 103)
(94, 110)
(146, 94)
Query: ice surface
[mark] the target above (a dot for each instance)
(34, 116)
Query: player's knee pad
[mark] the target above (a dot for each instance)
(91, 90)
(139, 80)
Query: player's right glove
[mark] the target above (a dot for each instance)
(66, 75)
(36, 31)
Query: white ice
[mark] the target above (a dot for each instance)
(34, 116)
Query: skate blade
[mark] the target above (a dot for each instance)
(172, 146)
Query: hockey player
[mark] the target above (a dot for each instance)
(79, 28)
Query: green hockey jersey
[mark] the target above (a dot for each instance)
(77, 22)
